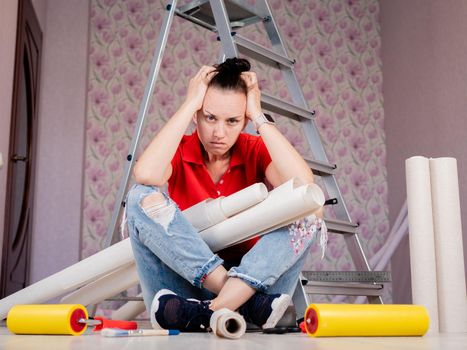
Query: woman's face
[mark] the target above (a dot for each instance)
(221, 119)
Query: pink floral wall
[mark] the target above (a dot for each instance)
(337, 46)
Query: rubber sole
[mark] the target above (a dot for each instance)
(278, 306)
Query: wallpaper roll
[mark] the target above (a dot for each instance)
(227, 324)
(212, 211)
(70, 278)
(369, 320)
(421, 237)
(105, 287)
(452, 301)
(129, 310)
(47, 319)
(275, 211)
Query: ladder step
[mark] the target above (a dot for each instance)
(331, 288)
(261, 53)
(321, 168)
(342, 227)
(125, 299)
(200, 12)
(286, 109)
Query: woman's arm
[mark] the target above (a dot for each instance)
(153, 166)
(286, 161)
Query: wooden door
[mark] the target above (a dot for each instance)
(21, 154)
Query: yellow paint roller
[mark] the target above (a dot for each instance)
(47, 319)
(58, 319)
(367, 320)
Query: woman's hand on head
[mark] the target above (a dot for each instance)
(198, 86)
(253, 104)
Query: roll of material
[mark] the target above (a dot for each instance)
(47, 319)
(284, 205)
(130, 310)
(70, 278)
(227, 324)
(421, 237)
(368, 320)
(452, 302)
(213, 211)
(105, 287)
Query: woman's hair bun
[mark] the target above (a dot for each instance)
(234, 65)
(228, 74)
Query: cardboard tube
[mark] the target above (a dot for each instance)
(369, 320)
(227, 324)
(47, 319)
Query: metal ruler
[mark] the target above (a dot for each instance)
(348, 276)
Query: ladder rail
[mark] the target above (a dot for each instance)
(142, 114)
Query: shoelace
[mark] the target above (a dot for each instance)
(201, 319)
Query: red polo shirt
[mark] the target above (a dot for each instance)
(191, 183)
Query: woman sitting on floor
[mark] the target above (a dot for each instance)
(174, 264)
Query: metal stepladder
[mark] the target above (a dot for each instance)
(223, 17)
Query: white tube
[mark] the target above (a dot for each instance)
(421, 237)
(244, 199)
(105, 287)
(227, 324)
(213, 211)
(274, 211)
(75, 276)
(130, 310)
(205, 214)
(452, 301)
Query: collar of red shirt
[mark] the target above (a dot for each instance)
(191, 150)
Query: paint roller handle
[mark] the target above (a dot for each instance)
(100, 323)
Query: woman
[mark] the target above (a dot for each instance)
(174, 264)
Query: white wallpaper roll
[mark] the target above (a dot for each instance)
(274, 211)
(421, 237)
(244, 199)
(105, 287)
(212, 211)
(205, 214)
(452, 301)
(86, 271)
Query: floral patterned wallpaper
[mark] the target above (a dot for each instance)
(337, 46)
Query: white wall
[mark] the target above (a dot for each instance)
(424, 88)
(59, 173)
(8, 18)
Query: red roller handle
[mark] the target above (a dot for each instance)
(105, 323)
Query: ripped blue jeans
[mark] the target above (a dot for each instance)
(170, 253)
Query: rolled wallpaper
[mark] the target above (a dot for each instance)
(452, 302)
(421, 237)
(213, 211)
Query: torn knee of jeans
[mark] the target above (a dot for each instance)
(159, 209)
